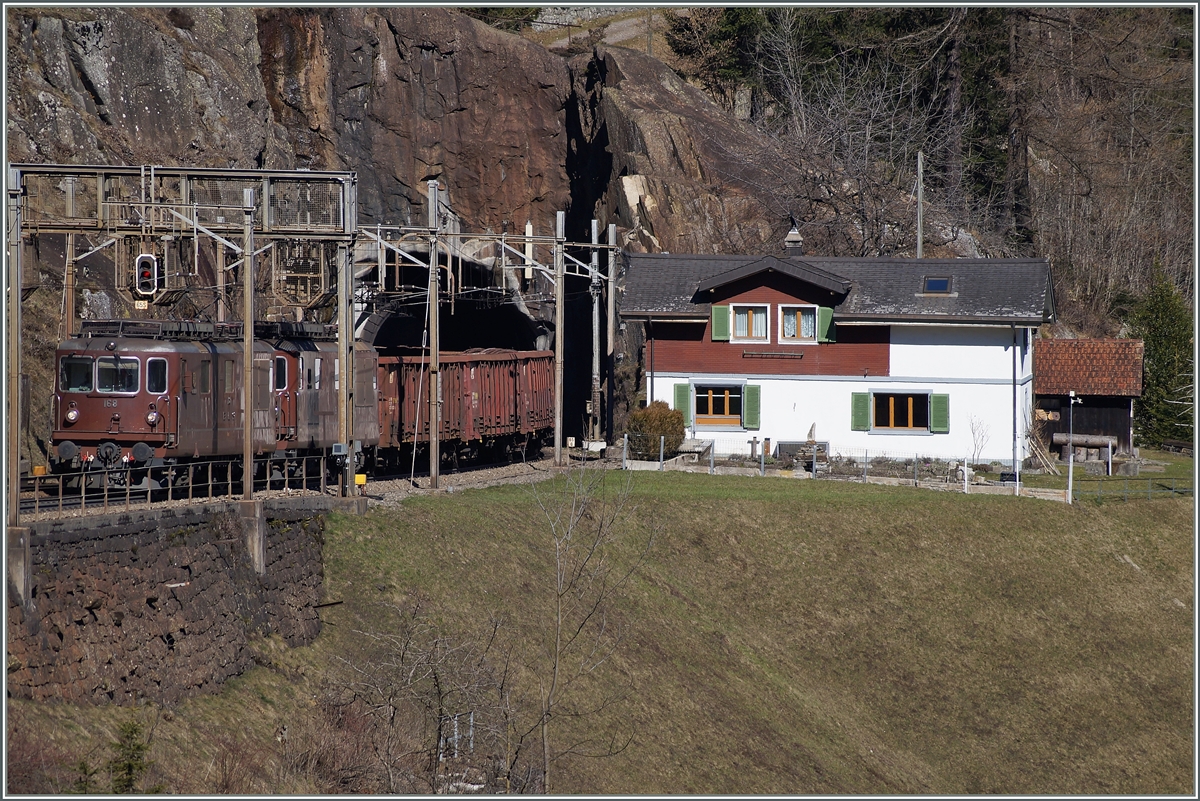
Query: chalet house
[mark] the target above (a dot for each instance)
(1105, 373)
(906, 356)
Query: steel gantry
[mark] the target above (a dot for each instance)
(512, 268)
(299, 252)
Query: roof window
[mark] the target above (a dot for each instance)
(936, 285)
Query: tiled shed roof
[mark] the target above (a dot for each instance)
(879, 289)
(1088, 366)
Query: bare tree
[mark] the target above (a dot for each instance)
(981, 432)
(593, 562)
(424, 712)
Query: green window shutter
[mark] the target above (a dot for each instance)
(939, 414)
(860, 411)
(720, 323)
(825, 330)
(683, 402)
(751, 402)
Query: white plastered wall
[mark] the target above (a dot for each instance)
(972, 367)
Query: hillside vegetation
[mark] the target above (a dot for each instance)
(779, 637)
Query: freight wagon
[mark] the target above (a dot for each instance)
(142, 399)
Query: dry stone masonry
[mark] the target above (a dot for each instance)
(159, 604)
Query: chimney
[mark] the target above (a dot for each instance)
(793, 243)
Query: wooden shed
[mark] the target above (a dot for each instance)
(1105, 373)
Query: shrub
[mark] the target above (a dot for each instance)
(647, 425)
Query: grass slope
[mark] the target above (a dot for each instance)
(797, 637)
(793, 637)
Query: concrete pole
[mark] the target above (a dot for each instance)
(69, 277)
(559, 324)
(528, 250)
(248, 344)
(920, 204)
(435, 375)
(1016, 456)
(13, 347)
(345, 258)
(612, 331)
(220, 282)
(595, 290)
(1071, 447)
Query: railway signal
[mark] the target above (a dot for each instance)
(146, 270)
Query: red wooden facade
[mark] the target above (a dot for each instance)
(688, 347)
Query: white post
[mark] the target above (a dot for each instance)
(248, 344)
(1071, 447)
(661, 445)
(625, 452)
(559, 332)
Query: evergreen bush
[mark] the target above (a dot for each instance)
(647, 425)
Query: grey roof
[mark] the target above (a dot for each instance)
(665, 286)
(796, 269)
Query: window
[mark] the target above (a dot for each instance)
(227, 387)
(280, 373)
(117, 374)
(750, 323)
(156, 376)
(205, 379)
(900, 411)
(936, 285)
(721, 404)
(315, 380)
(797, 323)
(75, 374)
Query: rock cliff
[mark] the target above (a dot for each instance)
(400, 95)
(514, 131)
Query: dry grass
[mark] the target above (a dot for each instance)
(789, 637)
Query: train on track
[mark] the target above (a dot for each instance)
(144, 400)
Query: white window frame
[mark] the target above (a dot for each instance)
(166, 375)
(880, 396)
(725, 421)
(765, 308)
(797, 340)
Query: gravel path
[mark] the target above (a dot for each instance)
(393, 492)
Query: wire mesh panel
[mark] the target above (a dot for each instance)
(219, 200)
(307, 205)
(60, 198)
(871, 463)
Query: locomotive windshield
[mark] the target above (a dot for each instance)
(75, 374)
(156, 376)
(116, 374)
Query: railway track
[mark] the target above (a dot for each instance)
(46, 496)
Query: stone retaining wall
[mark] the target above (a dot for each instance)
(159, 603)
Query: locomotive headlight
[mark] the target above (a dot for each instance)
(72, 414)
(152, 417)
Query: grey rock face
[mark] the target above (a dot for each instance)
(139, 86)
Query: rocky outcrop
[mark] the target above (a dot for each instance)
(400, 95)
(177, 87)
(403, 95)
(682, 175)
